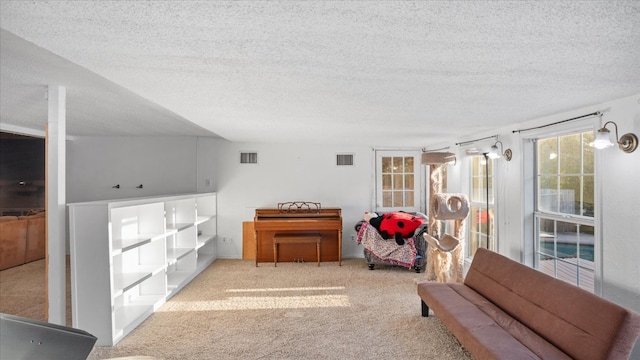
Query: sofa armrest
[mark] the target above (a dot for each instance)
(36, 237)
(13, 242)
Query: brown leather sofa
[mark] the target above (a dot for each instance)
(22, 239)
(506, 310)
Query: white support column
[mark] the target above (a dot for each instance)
(56, 204)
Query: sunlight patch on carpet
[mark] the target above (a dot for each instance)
(312, 288)
(294, 314)
(259, 303)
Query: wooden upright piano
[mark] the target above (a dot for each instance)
(298, 218)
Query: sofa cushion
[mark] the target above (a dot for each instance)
(482, 328)
(563, 314)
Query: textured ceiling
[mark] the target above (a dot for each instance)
(95, 106)
(379, 73)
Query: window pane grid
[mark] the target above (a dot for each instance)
(565, 251)
(563, 184)
(480, 219)
(478, 228)
(398, 183)
(564, 209)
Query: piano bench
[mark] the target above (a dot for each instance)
(295, 239)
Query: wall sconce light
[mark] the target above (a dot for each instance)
(494, 153)
(627, 142)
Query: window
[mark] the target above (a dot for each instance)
(398, 181)
(564, 208)
(481, 215)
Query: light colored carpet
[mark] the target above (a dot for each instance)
(23, 290)
(234, 310)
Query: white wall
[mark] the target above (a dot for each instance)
(163, 165)
(618, 184)
(287, 172)
(618, 191)
(308, 173)
(621, 211)
(617, 181)
(207, 164)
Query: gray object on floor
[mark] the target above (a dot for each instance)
(23, 338)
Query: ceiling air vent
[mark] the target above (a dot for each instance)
(344, 159)
(248, 158)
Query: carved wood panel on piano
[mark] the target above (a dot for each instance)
(299, 218)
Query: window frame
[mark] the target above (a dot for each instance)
(418, 176)
(479, 206)
(578, 220)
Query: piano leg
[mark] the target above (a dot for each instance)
(340, 248)
(275, 253)
(257, 246)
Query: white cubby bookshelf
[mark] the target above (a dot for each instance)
(129, 256)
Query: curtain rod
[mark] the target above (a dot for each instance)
(472, 141)
(597, 113)
(434, 150)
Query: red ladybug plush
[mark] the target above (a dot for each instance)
(398, 225)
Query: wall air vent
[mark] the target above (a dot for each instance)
(344, 159)
(248, 158)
